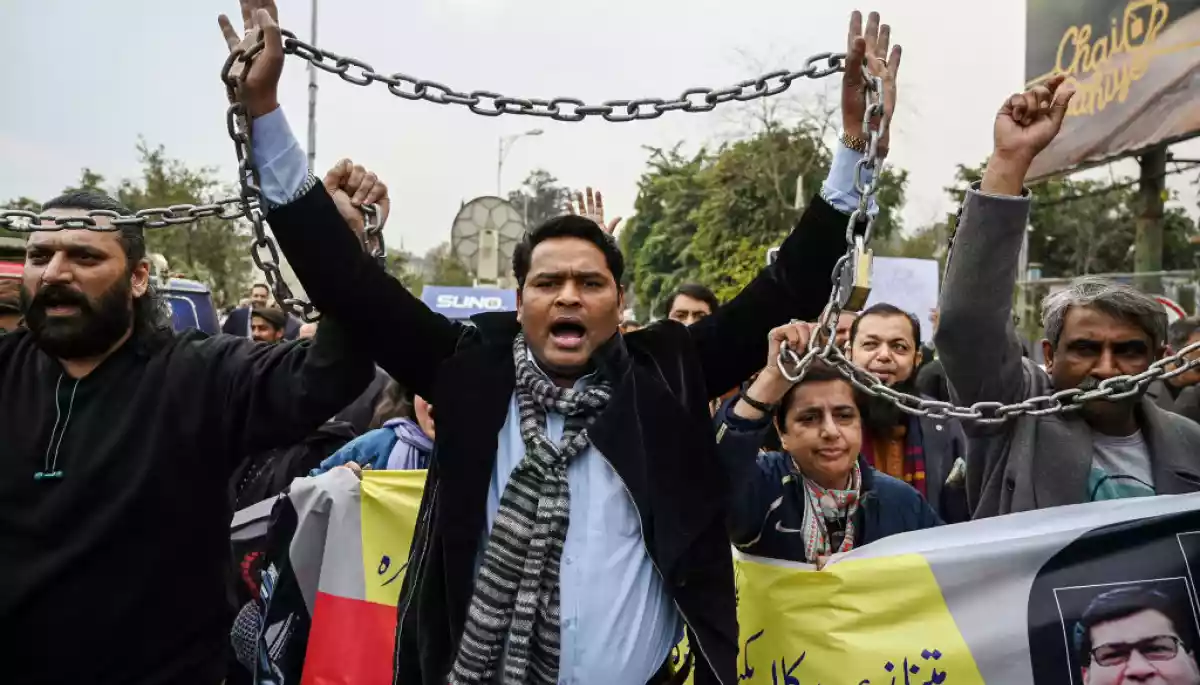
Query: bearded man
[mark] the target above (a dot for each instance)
(117, 442)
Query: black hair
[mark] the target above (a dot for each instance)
(264, 286)
(885, 309)
(274, 316)
(819, 372)
(569, 226)
(150, 312)
(1122, 602)
(694, 291)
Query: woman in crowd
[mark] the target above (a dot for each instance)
(401, 440)
(817, 496)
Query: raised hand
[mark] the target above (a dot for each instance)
(351, 186)
(1025, 125)
(869, 47)
(1028, 121)
(259, 90)
(591, 206)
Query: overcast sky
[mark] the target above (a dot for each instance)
(93, 76)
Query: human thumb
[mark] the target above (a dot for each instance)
(1062, 99)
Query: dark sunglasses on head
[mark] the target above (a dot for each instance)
(1157, 648)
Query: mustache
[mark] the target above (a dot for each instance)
(59, 295)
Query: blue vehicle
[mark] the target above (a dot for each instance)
(191, 305)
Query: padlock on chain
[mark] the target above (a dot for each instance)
(854, 281)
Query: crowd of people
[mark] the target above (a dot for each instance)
(586, 474)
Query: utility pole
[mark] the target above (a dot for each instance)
(312, 99)
(1149, 243)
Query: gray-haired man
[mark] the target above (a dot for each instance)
(1094, 330)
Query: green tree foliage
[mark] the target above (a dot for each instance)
(213, 251)
(446, 268)
(711, 217)
(398, 264)
(540, 198)
(1088, 226)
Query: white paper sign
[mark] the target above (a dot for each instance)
(910, 284)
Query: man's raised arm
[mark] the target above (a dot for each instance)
(310, 220)
(731, 343)
(976, 337)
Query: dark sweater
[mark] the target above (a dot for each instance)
(888, 506)
(116, 573)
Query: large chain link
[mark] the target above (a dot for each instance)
(490, 104)
(263, 250)
(823, 341)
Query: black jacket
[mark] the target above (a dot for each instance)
(656, 432)
(118, 571)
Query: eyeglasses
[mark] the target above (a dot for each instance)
(1157, 648)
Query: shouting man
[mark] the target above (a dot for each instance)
(117, 442)
(1095, 330)
(573, 524)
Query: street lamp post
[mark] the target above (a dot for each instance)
(506, 143)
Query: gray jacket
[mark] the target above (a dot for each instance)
(1186, 404)
(1029, 462)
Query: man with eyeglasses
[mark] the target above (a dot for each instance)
(1135, 635)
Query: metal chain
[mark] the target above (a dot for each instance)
(22, 221)
(263, 250)
(822, 343)
(490, 104)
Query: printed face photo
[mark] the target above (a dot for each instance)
(1130, 632)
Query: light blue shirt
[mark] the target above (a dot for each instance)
(618, 622)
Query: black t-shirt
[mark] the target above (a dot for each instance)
(116, 572)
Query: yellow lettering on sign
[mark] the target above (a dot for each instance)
(1088, 59)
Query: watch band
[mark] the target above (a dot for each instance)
(309, 183)
(761, 406)
(855, 143)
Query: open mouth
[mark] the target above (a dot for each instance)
(567, 334)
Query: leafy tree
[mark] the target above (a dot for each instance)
(712, 217)
(540, 198)
(1088, 226)
(210, 250)
(398, 265)
(656, 239)
(446, 267)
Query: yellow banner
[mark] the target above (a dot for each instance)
(390, 502)
(857, 622)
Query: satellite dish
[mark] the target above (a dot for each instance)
(485, 233)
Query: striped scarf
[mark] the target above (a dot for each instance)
(513, 619)
(902, 456)
(822, 506)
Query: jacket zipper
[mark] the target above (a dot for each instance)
(420, 562)
(653, 563)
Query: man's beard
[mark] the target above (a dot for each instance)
(91, 332)
(880, 416)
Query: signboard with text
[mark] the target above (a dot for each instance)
(455, 302)
(1135, 64)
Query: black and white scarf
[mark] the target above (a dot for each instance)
(513, 619)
